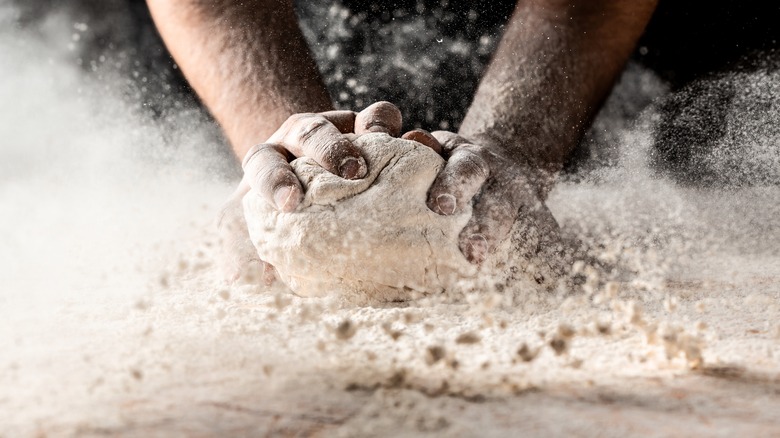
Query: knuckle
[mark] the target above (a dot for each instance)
(250, 156)
(382, 115)
(261, 154)
(269, 171)
(253, 154)
(448, 138)
(265, 176)
(311, 128)
(279, 176)
(423, 137)
(326, 149)
(467, 166)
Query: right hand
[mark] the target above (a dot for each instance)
(267, 170)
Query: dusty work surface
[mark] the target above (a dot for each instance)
(190, 358)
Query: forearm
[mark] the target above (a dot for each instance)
(247, 60)
(552, 69)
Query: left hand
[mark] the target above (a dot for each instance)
(503, 189)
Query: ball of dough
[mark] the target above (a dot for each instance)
(373, 237)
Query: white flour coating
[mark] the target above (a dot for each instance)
(373, 237)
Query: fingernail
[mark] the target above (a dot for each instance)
(446, 204)
(285, 198)
(476, 248)
(352, 168)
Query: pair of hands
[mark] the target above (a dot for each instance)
(498, 184)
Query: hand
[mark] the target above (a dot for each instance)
(238, 259)
(267, 170)
(504, 189)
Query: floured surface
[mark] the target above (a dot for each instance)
(195, 359)
(113, 323)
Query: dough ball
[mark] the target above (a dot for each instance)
(372, 238)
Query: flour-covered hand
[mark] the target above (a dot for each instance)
(267, 170)
(321, 137)
(501, 187)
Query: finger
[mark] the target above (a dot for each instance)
(312, 135)
(379, 117)
(448, 140)
(267, 171)
(493, 215)
(461, 178)
(343, 120)
(238, 259)
(424, 137)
